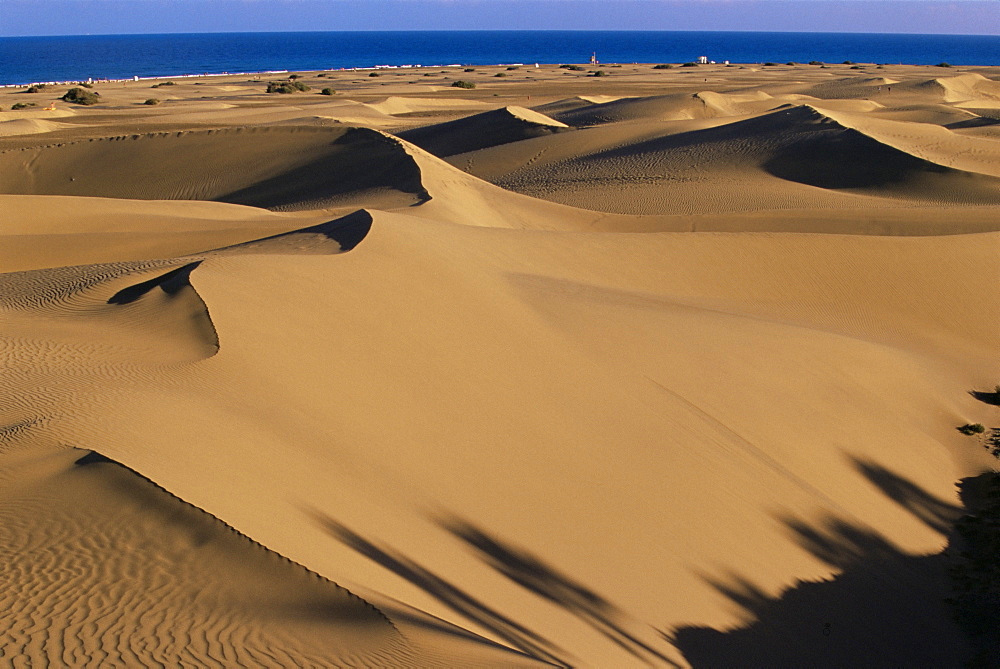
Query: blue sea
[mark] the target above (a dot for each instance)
(39, 59)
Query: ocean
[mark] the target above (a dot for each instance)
(41, 59)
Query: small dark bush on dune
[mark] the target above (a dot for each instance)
(972, 428)
(327, 91)
(165, 83)
(374, 74)
(469, 69)
(287, 87)
(34, 88)
(599, 73)
(663, 66)
(815, 62)
(943, 65)
(152, 101)
(770, 64)
(689, 65)
(461, 83)
(294, 76)
(514, 67)
(22, 105)
(81, 96)
(500, 74)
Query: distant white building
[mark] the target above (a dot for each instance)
(703, 60)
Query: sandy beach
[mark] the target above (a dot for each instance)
(614, 366)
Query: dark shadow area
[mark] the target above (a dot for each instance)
(937, 514)
(448, 594)
(348, 231)
(978, 122)
(884, 609)
(94, 458)
(975, 568)
(170, 283)
(988, 398)
(479, 131)
(531, 573)
(360, 161)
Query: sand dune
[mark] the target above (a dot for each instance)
(286, 389)
(501, 126)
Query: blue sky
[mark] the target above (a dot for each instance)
(66, 17)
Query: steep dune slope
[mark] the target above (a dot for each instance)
(500, 126)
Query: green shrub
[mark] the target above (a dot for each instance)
(972, 428)
(286, 87)
(81, 96)
(327, 91)
(663, 66)
(599, 73)
(848, 62)
(165, 83)
(374, 74)
(575, 68)
(943, 65)
(461, 83)
(689, 65)
(469, 69)
(791, 62)
(34, 88)
(22, 105)
(500, 74)
(816, 62)
(513, 67)
(294, 76)
(770, 64)
(152, 101)
(86, 84)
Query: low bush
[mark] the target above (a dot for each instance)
(599, 73)
(770, 64)
(461, 83)
(513, 67)
(374, 74)
(943, 65)
(848, 62)
(294, 76)
(663, 66)
(469, 69)
(327, 91)
(689, 65)
(286, 87)
(816, 62)
(152, 101)
(164, 83)
(80, 96)
(34, 88)
(500, 74)
(86, 84)
(22, 105)
(972, 428)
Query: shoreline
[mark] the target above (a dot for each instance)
(205, 75)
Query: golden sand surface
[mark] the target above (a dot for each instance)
(661, 367)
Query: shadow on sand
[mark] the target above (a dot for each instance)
(884, 609)
(450, 595)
